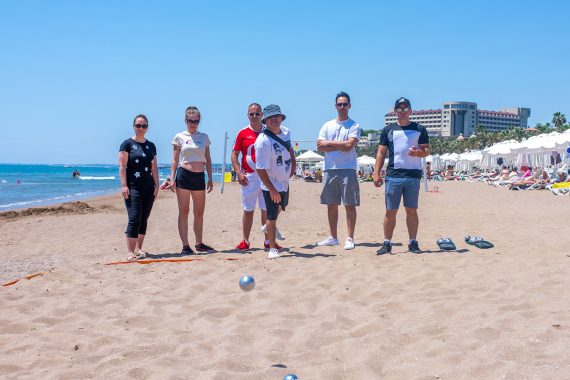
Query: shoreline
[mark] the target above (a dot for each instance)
(42, 185)
(59, 202)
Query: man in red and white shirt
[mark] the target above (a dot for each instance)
(247, 177)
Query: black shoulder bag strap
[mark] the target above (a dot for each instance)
(286, 144)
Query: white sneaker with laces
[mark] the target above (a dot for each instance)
(349, 244)
(329, 241)
(273, 253)
(278, 235)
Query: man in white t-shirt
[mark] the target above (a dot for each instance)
(338, 139)
(275, 159)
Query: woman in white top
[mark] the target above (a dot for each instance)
(191, 155)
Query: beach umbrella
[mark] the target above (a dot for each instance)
(435, 161)
(501, 149)
(469, 160)
(309, 156)
(538, 144)
(365, 160)
(449, 158)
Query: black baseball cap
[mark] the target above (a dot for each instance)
(402, 100)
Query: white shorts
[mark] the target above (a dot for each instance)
(252, 194)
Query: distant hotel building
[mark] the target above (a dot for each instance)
(462, 117)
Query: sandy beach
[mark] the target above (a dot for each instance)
(321, 313)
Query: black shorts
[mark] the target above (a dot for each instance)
(187, 180)
(272, 207)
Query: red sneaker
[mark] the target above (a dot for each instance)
(243, 245)
(267, 246)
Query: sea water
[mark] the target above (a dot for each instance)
(24, 185)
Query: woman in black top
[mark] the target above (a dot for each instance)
(139, 184)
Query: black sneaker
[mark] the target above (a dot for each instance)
(203, 247)
(385, 249)
(186, 250)
(414, 247)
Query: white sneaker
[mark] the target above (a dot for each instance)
(273, 253)
(329, 241)
(278, 235)
(349, 244)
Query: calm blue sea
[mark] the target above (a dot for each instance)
(23, 185)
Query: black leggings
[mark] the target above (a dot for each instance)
(138, 205)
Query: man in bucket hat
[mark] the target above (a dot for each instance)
(275, 160)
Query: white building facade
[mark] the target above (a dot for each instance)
(461, 118)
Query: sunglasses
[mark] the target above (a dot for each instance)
(193, 121)
(252, 114)
(402, 110)
(342, 105)
(143, 126)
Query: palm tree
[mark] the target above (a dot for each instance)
(485, 137)
(558, 119)
(543, 128)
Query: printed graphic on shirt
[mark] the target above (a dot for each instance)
(288, 165)
(277, 148)
(195, 144)
(139, 164)
(274, 159)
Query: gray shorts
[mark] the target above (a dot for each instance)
(340, 185)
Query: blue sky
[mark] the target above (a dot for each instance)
(73, 74)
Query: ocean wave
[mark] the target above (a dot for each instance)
(95, 178)
(56, 199)
(21, 204)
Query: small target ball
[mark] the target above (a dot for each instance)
(246, 283)
(568, 150)
(291, 376)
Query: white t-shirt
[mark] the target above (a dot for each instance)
(334, 130)
(274, 158)
(192, 146)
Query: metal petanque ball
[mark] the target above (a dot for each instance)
(246, 283)
(291, 376)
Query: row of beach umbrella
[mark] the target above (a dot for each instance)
(541, 150)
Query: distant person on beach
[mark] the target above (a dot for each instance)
(405, 142)
(138, 171)
(251, 193)
(274, 162)
(319, 175)
(449, 174)
(191, 155)
(337, 139)
(561, 176)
